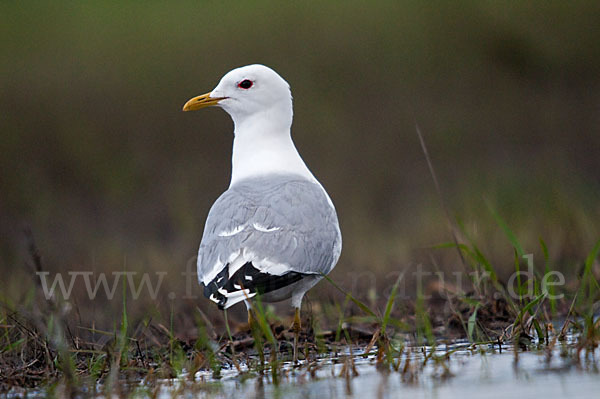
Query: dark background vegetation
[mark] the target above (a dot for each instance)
(98, 159)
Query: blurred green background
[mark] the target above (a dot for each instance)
(98, 159)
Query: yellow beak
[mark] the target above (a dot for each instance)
(202, 101)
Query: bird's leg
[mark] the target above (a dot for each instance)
(296, 327)
(251, 321)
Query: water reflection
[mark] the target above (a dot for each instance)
(469, 371)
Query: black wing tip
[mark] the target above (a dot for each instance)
(248, 278)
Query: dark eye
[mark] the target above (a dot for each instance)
(245, 84)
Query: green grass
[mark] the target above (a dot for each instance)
(125, 360)
(99, 161)
(78, 151)
(73, 357)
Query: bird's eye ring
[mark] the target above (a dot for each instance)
(245, 84)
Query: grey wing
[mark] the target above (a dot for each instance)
(278, 225)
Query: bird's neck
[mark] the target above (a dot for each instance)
(263, 146)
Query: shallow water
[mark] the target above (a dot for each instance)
(482, 372)
(467, 371)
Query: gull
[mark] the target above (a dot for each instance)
(275, 231)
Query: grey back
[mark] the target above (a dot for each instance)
(286, 219)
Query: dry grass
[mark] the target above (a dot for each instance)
(43, 346)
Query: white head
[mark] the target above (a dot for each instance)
(247, 93)
(260, 104)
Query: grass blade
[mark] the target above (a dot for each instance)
(390, 304)
(472, 322)
(507, 231)
(358, 303)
